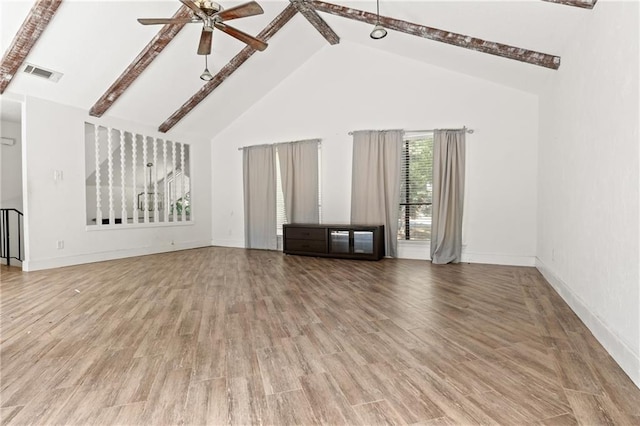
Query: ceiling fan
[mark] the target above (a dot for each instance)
(212, 15)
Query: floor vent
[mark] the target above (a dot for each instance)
(42, 72)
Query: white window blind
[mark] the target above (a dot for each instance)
(416, 188)
(320, 183)
(281, 214)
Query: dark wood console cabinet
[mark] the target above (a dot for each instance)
(343, 241)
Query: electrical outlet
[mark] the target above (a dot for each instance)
(60, 244)
(57, 175)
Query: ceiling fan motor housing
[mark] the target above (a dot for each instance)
(209, 7)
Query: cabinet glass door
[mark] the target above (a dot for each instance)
(363, 242)
(339, 241)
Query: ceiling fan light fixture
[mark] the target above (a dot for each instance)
(378, 31)
(206, 75)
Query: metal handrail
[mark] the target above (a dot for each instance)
(5, 235)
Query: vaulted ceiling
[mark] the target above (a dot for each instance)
(113, 66)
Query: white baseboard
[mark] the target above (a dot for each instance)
(58, 262)
(420, 251)
(626, 358)
(221, 242)
(498, 259)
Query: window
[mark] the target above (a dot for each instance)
(416, 188)
(281, 214)
(179, 186)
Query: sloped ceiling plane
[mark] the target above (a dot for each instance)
(112, 64)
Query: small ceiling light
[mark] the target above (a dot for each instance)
(378, 31)
(206, 75)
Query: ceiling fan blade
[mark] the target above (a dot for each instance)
(204, 48)
(191, 5)
(242, 36)
(155, 21)
(242, 10)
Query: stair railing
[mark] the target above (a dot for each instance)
(7, 232)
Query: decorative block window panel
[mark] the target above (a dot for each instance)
(133, 179)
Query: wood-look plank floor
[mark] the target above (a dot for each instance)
(230, 336)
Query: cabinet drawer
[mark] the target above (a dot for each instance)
(306, 246)
(306, 233)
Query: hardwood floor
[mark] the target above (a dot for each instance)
(231, 336)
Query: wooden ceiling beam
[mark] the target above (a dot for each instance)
(316, 20)
(585, 4)
(235, 63)
(139, 64)
(32, 28)
(460, 40)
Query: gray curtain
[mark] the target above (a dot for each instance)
(375, 182)
(448, 195)
(259, 178)
(299, 177)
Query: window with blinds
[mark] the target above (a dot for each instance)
(416, 188)
(281, 214)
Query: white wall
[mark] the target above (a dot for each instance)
(350, 87)
(55, 210)
(11, 167)
(588, 234)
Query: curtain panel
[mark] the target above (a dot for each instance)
(375, 182)
(259, 179)
(299, 177)
(448, 195)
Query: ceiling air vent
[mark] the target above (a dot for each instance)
(42, 72)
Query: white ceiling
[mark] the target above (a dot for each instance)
(92, 42)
